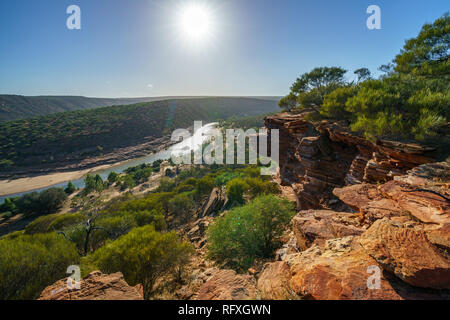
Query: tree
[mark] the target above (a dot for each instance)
(289, 102)
(46, 202)
(335, 103)
(112, 177)
(363, 74)
(249, 232)
(143, 256)
(70, 188)
(51, 200)
(311, 88)
(428, 53)
(128, 182)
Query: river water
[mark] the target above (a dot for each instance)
(186, 146)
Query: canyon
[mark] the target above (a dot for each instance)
(373, 223)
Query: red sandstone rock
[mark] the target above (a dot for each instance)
(227, 285)
(273, 282)
(95, 286)
(317, 226)
(320, 157)
(336, 273)
(408, 254)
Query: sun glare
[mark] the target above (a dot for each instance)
(196, 22)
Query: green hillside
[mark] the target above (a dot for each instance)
(13, 107)
(76, 135)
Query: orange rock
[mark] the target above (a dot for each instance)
(326, 274)
(95, 286)
(408, 254)
(227, 285)
(316, 226)
(274, 282)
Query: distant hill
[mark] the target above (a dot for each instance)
(76, 135)
(14, 107)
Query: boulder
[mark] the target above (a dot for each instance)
(215, 203)
(227, 285)
(316, 226)
(408, 254)
(337, 271)
(273, 282)
(95, 286)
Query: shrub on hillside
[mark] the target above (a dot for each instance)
(143, 256)
(46, 202)
(53, 222)
(235, 191)
(249, 232)
(30, 263)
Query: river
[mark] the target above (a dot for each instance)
(193, 143)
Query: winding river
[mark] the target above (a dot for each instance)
(193, 143)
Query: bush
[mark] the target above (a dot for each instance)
(143, 255)
(203, 187)
(112, 177)
(53, 222)
(166, 185)
(70, 188)
(181, 206)
(30, 263)
(257, 187)
(48, 201)
(235, 191)
(249, 232)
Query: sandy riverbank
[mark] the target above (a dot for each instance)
(9, 187)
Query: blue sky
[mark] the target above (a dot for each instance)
(135, 48)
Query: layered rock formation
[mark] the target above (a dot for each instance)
(316, 158)
(395, 246)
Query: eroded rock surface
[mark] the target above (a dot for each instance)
(95, 286)
(227, 285)
(408, 254)
(316, 158)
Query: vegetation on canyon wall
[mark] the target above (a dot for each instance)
(106, 237)
(411, 100)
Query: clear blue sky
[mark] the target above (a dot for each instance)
(135, 48)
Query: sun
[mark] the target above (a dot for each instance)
(196, 22)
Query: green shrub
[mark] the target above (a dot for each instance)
(181, 206)
(53, 222)
(112, 177)
(143, 255)
(257, 187)
(48, 201)
(235, 191)
(166, 185)
(249, 232)
(30, 263)
(70, 188)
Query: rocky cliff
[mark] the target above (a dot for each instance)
(374, 220)
(316, 158)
